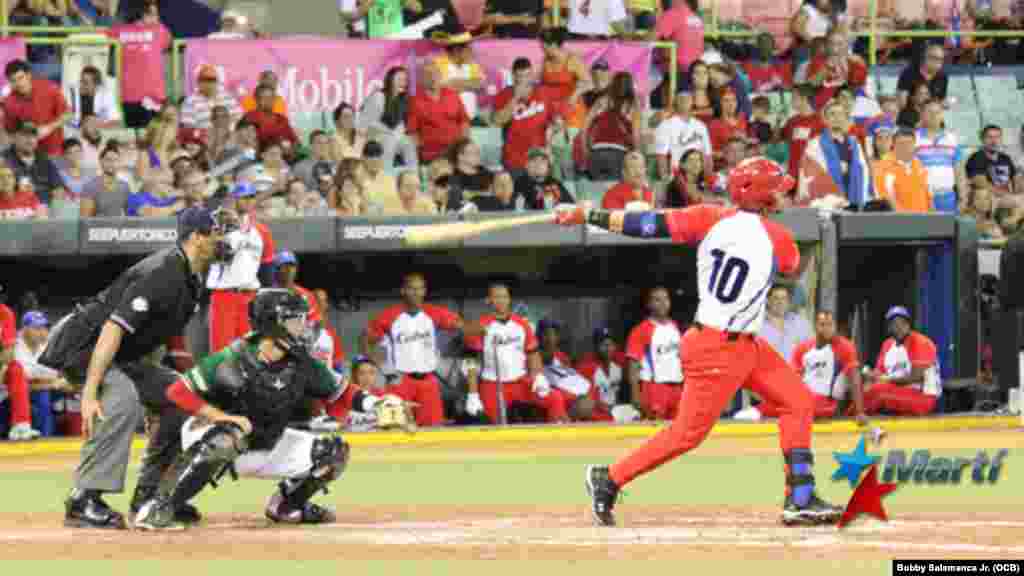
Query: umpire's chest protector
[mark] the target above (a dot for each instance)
(265, 394)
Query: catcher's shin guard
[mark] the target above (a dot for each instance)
(203, 463)
(291, 501)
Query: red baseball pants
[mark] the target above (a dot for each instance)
(229, 317)
(824, 407)
(897, 399)
(18, 393)
(714, 368)
(424, 391)
(521, 391)
(660, 398)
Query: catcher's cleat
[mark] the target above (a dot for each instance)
(157, 515)
(815, 513)
(603, 493)
(186, 514)
(310, 513)
(86, 509)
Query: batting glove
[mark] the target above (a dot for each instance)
(572, 214)
(473, 404)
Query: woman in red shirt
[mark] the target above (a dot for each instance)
(727, 123)
(613, 128)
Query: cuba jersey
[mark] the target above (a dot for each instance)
(897, 359)
(252, 246)
(825, 369)
(737, 258)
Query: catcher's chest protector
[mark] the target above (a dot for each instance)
(268, 395)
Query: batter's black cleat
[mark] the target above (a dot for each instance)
(86, 509)
(186, 514)
(816, 512)
(603, 494)
(277, 511)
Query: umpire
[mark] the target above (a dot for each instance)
(104, 344)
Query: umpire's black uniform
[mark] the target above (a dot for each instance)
(152, 302)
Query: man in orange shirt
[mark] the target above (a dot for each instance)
(901, 178)
(268, 79)
(633, 187)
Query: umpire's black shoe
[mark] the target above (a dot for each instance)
(816, 512)
(86, 509)
(186, 514)
(603, 493)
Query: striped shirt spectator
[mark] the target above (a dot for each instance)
(197, 110)
(940, 152)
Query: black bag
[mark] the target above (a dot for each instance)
(69, 347)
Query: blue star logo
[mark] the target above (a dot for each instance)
(851, 464)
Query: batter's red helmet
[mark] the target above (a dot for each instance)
(755, 182)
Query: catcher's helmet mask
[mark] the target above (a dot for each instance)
(281, 314)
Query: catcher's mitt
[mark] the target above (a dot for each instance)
(393, 412)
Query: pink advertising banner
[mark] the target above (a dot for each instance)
(317, 75)
(10, 49)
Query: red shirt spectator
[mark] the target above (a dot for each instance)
(8, 327)
(835, 68)
(528, 125)
(22, 205)
(270, 126)
(436, 116)
(798, 131)
(39, 101)
(722, 130)
(611, 127)
(143, 45)
(618, 196)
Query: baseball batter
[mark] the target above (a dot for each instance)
(512, 370)
(241, 399)
(655, 359)
(234, 283)
(738, 252)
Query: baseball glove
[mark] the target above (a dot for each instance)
(393, 412)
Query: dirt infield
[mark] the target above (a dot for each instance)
(417, 532)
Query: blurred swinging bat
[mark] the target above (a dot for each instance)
(450, 232)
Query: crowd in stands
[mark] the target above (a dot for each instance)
(566, 129)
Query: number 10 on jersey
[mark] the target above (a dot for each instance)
(727, 276)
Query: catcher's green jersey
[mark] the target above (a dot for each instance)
(236, 381)
(384, 18)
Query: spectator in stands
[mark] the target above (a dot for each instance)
(929, 72)
(813, 20)
(602, 21)
(415, 11)
(106, 195)
(157, 198)
(459, 70)
(901, 178)
(181, 165)
(233, 26)
(679, 134)
(15, 410)
(383, 117)
(251, 101)
(92, 96)
(245, 146)
(158, 147)
(298, 202)
(881, 142)
(270, 125)
(538, 189)
(409, 199)
(804, 125)
(274, 165)
(689, 186)
(847, 97)
(143, 83)
(728, 122)
(725, 75)
(437, 119)
(614, 129)
(447, 200)
(319, 153)
(197, 110)
(704, 97)
(219, 138)
(835, 68)
(348, 139)
(527, 116)
(633, 191)
(380, 186)
(18, 200)
(905, 381)
(38, 101)
(194, 185)
(566, 75)
(981, 207)
(681, 23)
(91, 142)
(940, 152)
(783, 327)
(834, 167)
(72, 174)
(991, 161)
(469, 176)
(503, 196)
(736, 150)
(193, 143)
(28, 160)
(600, 80)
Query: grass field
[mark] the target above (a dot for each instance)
(440, 509)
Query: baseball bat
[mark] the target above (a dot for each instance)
(449, 232)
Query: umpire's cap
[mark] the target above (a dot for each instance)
(284, 258)
(897, 312)
(205, 221)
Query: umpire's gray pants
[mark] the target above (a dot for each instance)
(105, 454)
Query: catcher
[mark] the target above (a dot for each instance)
(241, 400)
